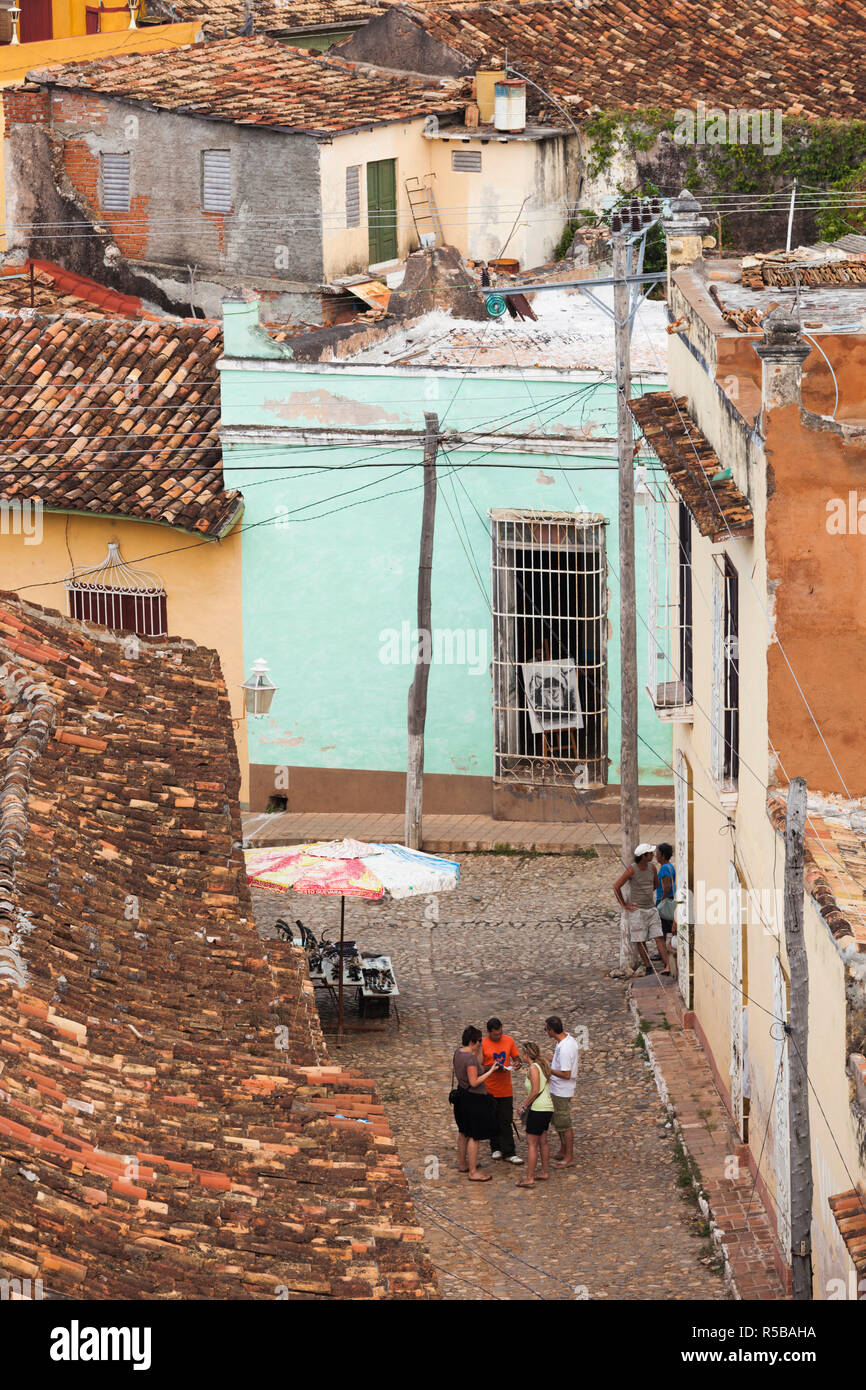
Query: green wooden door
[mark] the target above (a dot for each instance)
(382, 209)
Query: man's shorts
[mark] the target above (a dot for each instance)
(645, 924)
(561, 1113)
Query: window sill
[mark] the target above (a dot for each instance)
(728, 794)
(670, 703)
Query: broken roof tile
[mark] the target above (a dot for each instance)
(719, 509)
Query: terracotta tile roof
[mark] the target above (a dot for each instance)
(58, 290)
(849, 1209)
(270, 16)
(808, 60)
(168, 1116)
(114, 416)
(261, 82)
(835, 867)
(718, 509)
(221, 18)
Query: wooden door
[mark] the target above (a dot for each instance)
(382, 210)
(36, 21)
(682, 791)
(735, 921)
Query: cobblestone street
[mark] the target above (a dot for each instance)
(522, 938)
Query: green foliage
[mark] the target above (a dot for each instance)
(565, 240)
(818, 154)
(612, 131)
(832, 224)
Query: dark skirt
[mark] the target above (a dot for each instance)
(475, 1115)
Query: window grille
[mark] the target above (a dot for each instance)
(353, 195)
(115, 182)
(116, 596)
(466, 161)
(550, 602)
(216, 180)
(669, 621)
(725, 701)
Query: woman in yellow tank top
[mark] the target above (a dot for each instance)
(538, 1109)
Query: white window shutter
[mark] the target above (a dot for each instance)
(353, 195)
(718, 674)
(216, 180)
(115, 182)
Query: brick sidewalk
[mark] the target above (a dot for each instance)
(442, 834)
(685, 1082)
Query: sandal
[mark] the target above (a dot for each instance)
(524, 1182)
(485, 1178)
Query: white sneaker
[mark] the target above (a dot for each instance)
(515, 1158)
(497, 1153)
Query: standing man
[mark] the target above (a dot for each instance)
(563, 1075)
(500, 1050)
(645, 924)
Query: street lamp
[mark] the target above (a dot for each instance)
(132, 6)
(14, 19)
(259, 690)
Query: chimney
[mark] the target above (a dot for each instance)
(684, 230)
(243, 335)
(782, 353)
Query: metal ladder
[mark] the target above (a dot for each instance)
(425, 214)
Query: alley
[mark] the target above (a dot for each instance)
(523, 937)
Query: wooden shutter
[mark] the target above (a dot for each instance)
(115, 182)
(353, 195)
(217, 180)
(466, 161)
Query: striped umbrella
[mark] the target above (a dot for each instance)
(352, 869)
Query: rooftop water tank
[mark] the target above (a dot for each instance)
(510, 106)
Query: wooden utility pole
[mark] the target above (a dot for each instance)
(629, 812)
(798, 1092)
(418, 688)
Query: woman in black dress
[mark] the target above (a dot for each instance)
(474, 1113)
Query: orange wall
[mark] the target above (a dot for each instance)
(819, 569)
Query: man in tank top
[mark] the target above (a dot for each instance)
(644, 921)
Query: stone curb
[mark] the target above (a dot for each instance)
(661, 1086)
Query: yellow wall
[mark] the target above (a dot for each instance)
(751, 841)
(202, 582)
(477, 211)
(17, 60)
(69, 18)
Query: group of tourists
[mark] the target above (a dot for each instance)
(482, 1091)
(483, 1099)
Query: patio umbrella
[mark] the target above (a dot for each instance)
(352, 869)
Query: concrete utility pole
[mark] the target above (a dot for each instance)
(629, 811)
(798, 1092)
(418, 688)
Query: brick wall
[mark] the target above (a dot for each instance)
(274, 230)
(24, 105)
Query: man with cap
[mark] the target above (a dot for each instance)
(645, 924)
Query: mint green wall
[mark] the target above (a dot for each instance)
(330, 555)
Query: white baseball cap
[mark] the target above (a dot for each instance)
(644, 849)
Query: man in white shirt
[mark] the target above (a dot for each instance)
(563, 1074)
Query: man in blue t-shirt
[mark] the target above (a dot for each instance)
(666, 891)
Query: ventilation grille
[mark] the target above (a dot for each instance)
(217, 180)
(115, 182)
(466, 161)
